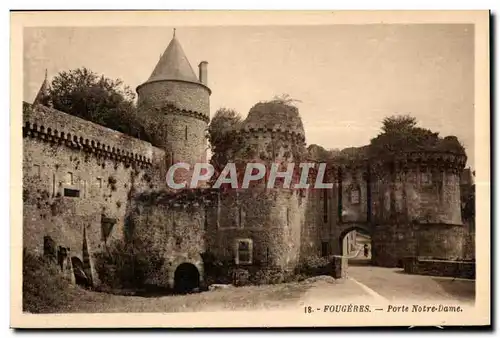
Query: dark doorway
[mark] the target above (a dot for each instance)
(187, 278)
(80, 276)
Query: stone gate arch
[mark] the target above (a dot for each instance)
(347, 229)
(186, 277)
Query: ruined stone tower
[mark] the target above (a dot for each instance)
(257, 226)
(175, 104)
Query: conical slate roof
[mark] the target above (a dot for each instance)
(173, 65)
(43, 93)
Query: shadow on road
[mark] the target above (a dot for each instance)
(459, 288)
(360, 262)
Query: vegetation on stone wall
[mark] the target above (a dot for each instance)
(401, 134)
(127, 265)
(44, 288)
(315, 266)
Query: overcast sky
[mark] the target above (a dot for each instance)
(347, 77)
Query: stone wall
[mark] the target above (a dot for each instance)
(183, 95)
(469, 246)
(457, 269)
(78, 174)
(354, 196)
(272, 220)
(176, 113)
(175, 231)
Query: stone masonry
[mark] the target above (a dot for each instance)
(81, 179)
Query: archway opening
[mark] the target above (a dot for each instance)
(187, 278)
(356, 244)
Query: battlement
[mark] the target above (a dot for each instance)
(53, 126)
(442, 160)
(277, 132)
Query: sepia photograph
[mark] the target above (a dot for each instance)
(250, 169)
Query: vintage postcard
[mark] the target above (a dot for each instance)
(250, 169)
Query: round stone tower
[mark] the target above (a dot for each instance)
(268, 221)
(417, 209)
(174, 103)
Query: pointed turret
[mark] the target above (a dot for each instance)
(173, 65)
(176, 105)
(43, 96)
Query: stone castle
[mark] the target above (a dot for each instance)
(83, 183)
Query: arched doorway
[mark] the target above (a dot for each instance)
(353, 241)
(186, 278)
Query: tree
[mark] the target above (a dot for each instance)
(399, 134)
(398, 123)
(83, 93)
(224, 141)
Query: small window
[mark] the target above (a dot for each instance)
(324, 249)
(354, 197)
(71, 192)
(99, 182)
(84, 188)
(205, 221)
(241, 216)
(244, 251)
(69, 178)
(186, 133)
(425, 179)
(36, 170)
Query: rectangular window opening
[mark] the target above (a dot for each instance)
(69, 178)
(71, 192)
(36, 170)
(355, 196)
(324, 249)
(244, 251)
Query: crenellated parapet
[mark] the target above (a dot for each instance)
(55, 127)
(446, 161)
(275, 133)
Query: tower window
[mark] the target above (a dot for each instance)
(186, 133)
(240, 216)
(69, 178)
(244, 251)
(425, 179)
(36, 170)
(355, 195)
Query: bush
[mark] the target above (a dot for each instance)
(44, 289)
(125, 266)
(241, 277)
(315, 266)
(269, 276)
